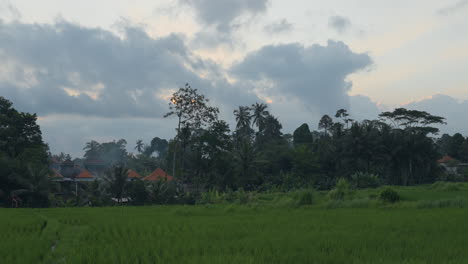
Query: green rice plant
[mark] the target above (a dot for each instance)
(444, 203)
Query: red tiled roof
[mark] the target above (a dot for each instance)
(85, 174)
(56, 174)
(133, 174)
(157, 175)
(445, 159)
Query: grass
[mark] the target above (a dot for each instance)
(298, 227)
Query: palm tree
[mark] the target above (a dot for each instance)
(139, 145)
(35, 186)
(243, 117)
(259, 114)
(91, 149)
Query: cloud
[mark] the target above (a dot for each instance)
(222, 14)
(64, 68)
(281, 26)
(8, 11)
(339, 23)
(362, 107)
(69, 133)
(314, 75)
(461, 4)
(446, 106)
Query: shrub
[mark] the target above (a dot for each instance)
(341, 190)
(210, 197)
(389, 195)
(365, 180)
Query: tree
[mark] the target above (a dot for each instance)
(326, 123)
(302, 135)
(139, 145)
(271, 131)
(259, 115)
(117, 180)
(91, 149)
(159, 145)
(413, 120)
(343, 114)
(192, 111)
(21, 146)
(455, 146)
(18, 130)
(243, 118)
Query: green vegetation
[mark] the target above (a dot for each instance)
(246, 227)
(207, 160)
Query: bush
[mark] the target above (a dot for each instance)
(341, 191)
(210, 197)
(389, 195)
(365, 180)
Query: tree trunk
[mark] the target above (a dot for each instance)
(175, 150)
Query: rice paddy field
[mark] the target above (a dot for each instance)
(430, 225)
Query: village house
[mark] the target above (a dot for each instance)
(453, 166)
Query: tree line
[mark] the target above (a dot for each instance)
(399, 147)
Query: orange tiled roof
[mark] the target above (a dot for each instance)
(157, 175)
(445, 159)
(85, 174)
(133, 174)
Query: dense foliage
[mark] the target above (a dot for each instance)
(23, 158)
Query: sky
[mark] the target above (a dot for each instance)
(104, 70)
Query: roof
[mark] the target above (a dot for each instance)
(157, 175)
(56, 174)
(445, 159)
(84, 174)
(133, 174)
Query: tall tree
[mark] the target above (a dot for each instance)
(259, 115)
(192, 111)
(243, 117)
(91, 149)
(302, 135)
(139, 145)
(21, 146)
(326, 123)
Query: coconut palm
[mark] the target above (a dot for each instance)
(91, 149)
(259, 115)
(243, 117)
(139, 145)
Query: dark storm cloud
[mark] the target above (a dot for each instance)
(65, 68)
(281, 26)
(315, 75)
(339, 23)
(222, 13)
(448, 10)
